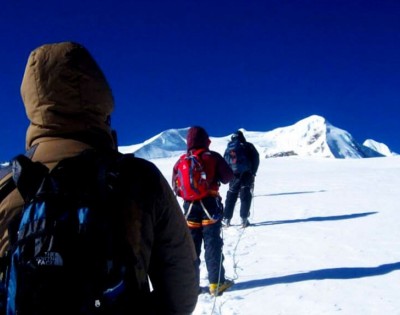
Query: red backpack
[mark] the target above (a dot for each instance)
(191, 180)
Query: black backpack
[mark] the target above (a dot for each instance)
(69, 253)
(236, 156)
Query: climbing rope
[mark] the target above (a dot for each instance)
(220, 267)
(235, 263)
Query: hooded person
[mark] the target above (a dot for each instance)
(244, 159)
(238, 135)
(204, 216)
(69, 103)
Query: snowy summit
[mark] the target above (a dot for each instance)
(313, 136)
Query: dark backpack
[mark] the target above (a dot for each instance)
(69, 253)
(191, 180)
(236, 156)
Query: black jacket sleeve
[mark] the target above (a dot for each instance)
(254, 157)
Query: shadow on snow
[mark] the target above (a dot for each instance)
(291, 193)
(330, 218)
(322, 274)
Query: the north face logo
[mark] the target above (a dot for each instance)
(50, 259)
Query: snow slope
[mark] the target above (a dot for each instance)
(325, 240)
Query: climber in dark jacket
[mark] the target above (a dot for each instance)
(243, 158)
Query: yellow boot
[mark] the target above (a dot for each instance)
(218, 288)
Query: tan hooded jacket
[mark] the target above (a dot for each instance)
(69, 102)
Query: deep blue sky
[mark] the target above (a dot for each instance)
(225, 65)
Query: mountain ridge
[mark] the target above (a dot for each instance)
(312, 136)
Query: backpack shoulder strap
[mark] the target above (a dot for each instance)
(198, 152)
(9, 185)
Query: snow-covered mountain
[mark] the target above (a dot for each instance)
(379, 147)
(312, 136)
(166, 144)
